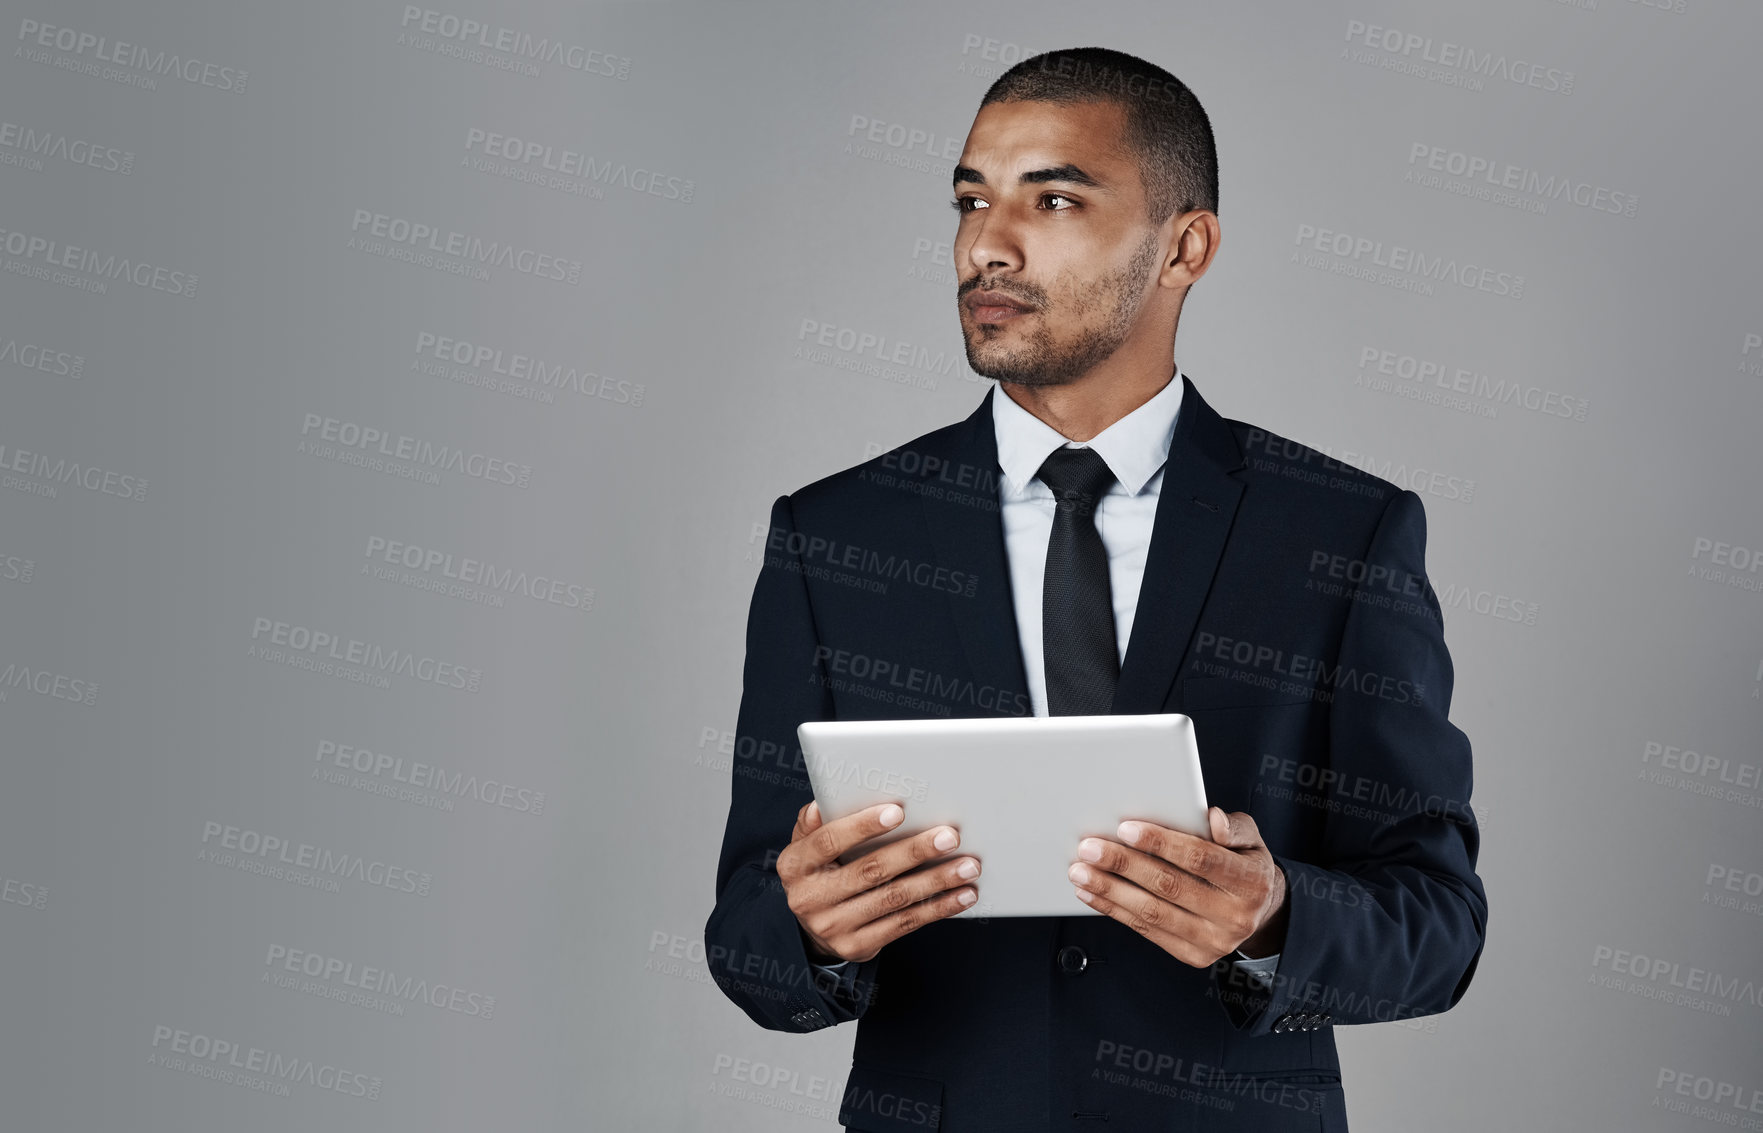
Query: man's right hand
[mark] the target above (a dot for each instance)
(848, 912)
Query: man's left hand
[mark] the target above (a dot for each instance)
(1199, 901)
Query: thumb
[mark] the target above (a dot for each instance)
(1234, 830)
(807, 821)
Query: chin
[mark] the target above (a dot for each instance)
(1002, 371)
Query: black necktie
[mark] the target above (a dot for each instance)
(1077, 607)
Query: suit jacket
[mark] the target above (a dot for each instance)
(1285, 609)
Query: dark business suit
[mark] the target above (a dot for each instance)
(1285, 609)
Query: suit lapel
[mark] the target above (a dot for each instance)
(967, 529)
(1195, 509)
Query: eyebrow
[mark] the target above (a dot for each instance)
(1067, 173)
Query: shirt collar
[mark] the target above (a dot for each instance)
(1134, 447)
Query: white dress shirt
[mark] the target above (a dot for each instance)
(1135, 448)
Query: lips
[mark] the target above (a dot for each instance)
(995, 306)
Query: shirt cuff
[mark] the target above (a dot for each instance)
(843, 979)
(1258, 971)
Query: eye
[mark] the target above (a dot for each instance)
(959, 204)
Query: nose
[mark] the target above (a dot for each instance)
(993, 246)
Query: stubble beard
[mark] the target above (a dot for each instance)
(1042, 361)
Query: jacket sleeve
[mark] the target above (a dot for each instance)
(753, 944)
(1388, 919)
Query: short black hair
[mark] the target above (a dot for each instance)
(1166, 127)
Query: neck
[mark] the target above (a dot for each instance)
(1078, 410)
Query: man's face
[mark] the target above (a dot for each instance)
(1052, 218)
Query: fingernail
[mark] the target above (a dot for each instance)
(891, 815)
(967, 896)
(1129, 833)
(945, 839)
(1084, 896)
(968, 869)
(1090, 849)
(1079, 873)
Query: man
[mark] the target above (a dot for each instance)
(1094, 539)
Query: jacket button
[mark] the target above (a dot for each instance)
(1072, 959)
(1282, 1024)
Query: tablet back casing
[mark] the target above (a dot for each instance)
(1022, 791)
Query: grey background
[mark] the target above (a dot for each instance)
(583, 920)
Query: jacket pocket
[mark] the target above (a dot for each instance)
(883, 1101)
(1200, 693)
(1297, 1077)
(1282, 1101)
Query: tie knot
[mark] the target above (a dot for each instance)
(1076, 475)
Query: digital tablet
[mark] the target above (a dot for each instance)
(1022, 791)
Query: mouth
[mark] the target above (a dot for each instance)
(995, 307)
